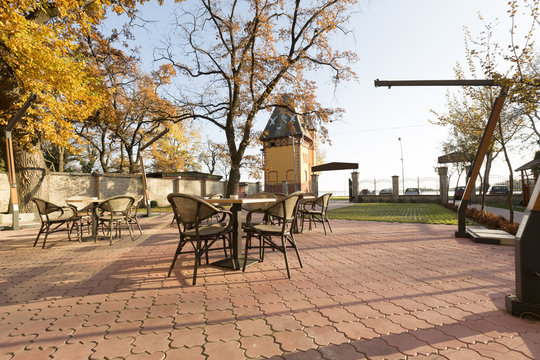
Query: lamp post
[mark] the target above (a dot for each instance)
(143, 172)
(402, 168)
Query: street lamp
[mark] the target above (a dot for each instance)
(402, 168)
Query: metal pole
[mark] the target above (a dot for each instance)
(294, 164)
(402, 168)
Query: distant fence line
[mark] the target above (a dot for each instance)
(427, 185)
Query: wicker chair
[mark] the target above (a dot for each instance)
(285, 212)
(315, 211)
(114, 212)
(84, 205)
(132, 217)
(190, 213)
(53, 217)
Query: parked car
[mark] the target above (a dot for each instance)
(499, 190)
(386, 191)
(458, 192)
(412, 191)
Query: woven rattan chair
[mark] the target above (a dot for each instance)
(84, 205)
(191, 213)
(285, 212)
(132, 217)
(257, 208)
(315, 211)
(114, 212)
(53, 217)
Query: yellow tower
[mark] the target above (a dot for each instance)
(289, 151)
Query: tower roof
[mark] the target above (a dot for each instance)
(283, 123)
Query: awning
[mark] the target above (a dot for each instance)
(335, 166)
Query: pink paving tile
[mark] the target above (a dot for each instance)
(223, 332)
(12, 344)
(356, 330)
(326, 335)
(337, 314)
(340, 352)
(188, 337)
(113, 348)
(258, 346)
(311, 318)
(409, 345)
(74, 351)
(383, 326)
(294, 340)
(461, 354)
(437, 339)
(283, 322)
(124, 329)
(145, 356)
(301, 355)
(194, 353)
(157, 325)
(257, 327)
(377, 349)
(151, 343)
(224, 350)
(48, 339)
(219, 316)
(189, 320)
(35, 354)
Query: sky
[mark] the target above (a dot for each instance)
(394, 40)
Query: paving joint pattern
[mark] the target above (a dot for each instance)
(367, 291)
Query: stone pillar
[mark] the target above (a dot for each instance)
(395, 187)
(176, 185)
(203, 188)
(97, 180)
(258, 187)
(443, 184)
(315, 184)
(285, 187)
(355, 184)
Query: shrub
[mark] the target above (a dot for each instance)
(153, 203)
(487, 219)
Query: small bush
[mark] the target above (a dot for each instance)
(487, 219)
(153, 203)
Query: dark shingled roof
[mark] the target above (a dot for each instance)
(530, 165)
(283, 123)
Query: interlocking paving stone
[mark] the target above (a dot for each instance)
(387, 291)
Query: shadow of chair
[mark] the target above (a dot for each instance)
(280, 217)
(316, 211)
(190, 213)
(114, 212)
(53, 216)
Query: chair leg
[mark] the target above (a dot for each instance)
(324, 228)
(178, 251)
(39, 234)
(197, 261)
(46, 234)
(328, 222)
(293, 243)
(129, 229)
(284, 245)
(110, 231)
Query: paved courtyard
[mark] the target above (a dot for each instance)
(368, 290)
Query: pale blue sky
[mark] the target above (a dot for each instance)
(394, 39)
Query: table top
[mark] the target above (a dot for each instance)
(240, 201)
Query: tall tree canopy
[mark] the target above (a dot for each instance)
(236, 58)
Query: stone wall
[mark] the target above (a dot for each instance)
(66, 185)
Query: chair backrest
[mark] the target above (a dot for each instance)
(121, 203)
(259, 206)
(323, 200)
(285, 208)
(44, 207)
(190, 209)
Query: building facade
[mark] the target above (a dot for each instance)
(289, 152)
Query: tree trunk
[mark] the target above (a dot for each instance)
(485, 183)
(32, 174)
(233, 184)
(511, 176)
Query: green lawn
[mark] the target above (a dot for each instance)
(396, 212)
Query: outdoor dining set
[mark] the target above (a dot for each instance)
(206, 223)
